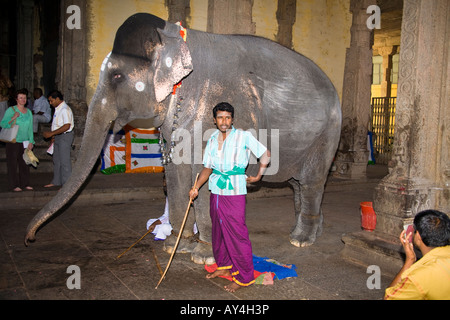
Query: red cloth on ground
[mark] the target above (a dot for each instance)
(211, 268)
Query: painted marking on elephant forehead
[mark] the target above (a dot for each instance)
(136, 77)
(140, 86)
(105, 61)
(169, 62)
(104, 101)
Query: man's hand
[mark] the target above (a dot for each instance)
(253, 179)
(202, 178)
(153, 225)
(408, 247)
(193, 193)
(47, 134)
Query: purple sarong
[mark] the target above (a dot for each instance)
(230, 241)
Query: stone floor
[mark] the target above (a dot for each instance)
(110, 214)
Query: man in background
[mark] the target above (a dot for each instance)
(41, 109)
(62, 135)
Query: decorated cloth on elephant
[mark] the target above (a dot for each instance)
(230, 240)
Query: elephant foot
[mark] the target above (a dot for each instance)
(185, 245)
(307, 232)
(302, 242)
(202, 254)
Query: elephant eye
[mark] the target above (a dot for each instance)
(117, 77)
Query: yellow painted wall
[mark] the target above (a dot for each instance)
(321, 31)
(376, 90)
(265, 18)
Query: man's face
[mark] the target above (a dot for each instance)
(54, 102)
(223, 121)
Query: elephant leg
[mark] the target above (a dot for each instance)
(202, 253)
(297, 199)
(309, 221)
(178, 180)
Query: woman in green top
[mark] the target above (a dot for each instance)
(24, 139)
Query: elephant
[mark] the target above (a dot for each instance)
(159, 70)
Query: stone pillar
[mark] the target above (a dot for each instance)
(419, 175)
(419, 169)
(179, 11)
(386, 83)
(353, 155)
(286, 15)
(25, 45)
(72, 65)
(230, 17)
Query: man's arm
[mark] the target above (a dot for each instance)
(202, 178)
(409, 261)
(263, 164)
(49, 134)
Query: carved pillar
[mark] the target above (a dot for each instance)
(352, 157)
(72, 62)
(25, 45)
(71, 77)
(230, 17)
(420, 166)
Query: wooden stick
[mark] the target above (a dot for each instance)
(153, 251)
(134, 244)
(157, 262)
(179, 236)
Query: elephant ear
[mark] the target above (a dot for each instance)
(173, 62)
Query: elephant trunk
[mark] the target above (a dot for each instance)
(97, 126)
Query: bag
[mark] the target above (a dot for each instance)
(9, 134)
(30, 158)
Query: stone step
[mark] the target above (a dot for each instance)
(98, 188)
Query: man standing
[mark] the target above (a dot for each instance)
(225, 159)
(62, 137)
(428, 278)
(41, 109)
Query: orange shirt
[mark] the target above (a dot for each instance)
(427, 279)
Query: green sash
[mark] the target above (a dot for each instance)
(224, 180)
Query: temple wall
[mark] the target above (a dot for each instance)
(321, 30)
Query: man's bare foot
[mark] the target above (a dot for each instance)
(232, 287)
(218, 273)
(51, 185)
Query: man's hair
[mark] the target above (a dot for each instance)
(56, 94)
(433, 227)
(38, 90)
(223, 106)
